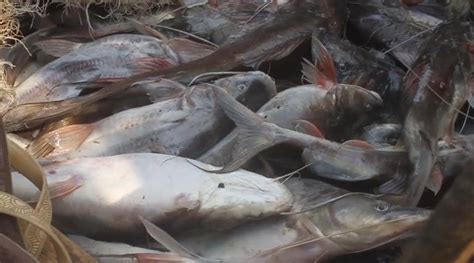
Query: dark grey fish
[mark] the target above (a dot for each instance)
(389, 27)
(434, 91)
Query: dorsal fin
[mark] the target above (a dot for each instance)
(323, 60)
(314, 76)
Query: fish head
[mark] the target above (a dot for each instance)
(252, 89)
(360, 221)
(355, 99)
(353, 104)
(240, 196)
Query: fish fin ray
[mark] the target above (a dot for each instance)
(166, 240)
(314, 76)
(394, 186)
(323, 60)
(67, 138)
(255, 135)
(57, 47)
(309, 128)
(63, 188)
(189, 50)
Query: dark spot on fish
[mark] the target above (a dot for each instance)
(143, 197)
(278, 107)
(265, 116)
(52, 172)
(159, 110)
(221, 185)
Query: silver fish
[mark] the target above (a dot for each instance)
(104, 196)
(336, 222)
(186, 125)
(105, 60)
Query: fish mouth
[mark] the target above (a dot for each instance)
(412, 216)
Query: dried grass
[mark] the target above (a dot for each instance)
(118, 8)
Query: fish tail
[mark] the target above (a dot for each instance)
(65, 139)
(255, 134)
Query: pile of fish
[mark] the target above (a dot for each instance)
(168, 126)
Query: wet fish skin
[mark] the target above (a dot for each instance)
(269, 41)
(433, 84)
(328, 110)
(276, 239)
(219, 24)
(113, 191)
(381, 135)
(186, 125)
(328, 159)
(115, 56)
(369, 69)
(387, 27)
(243, 51)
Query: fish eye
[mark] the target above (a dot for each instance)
(241, 86)
(381, 206)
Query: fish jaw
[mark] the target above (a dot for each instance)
(243, 195)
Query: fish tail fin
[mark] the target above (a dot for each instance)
(65, 139)
(255, 135)
(57, 47)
